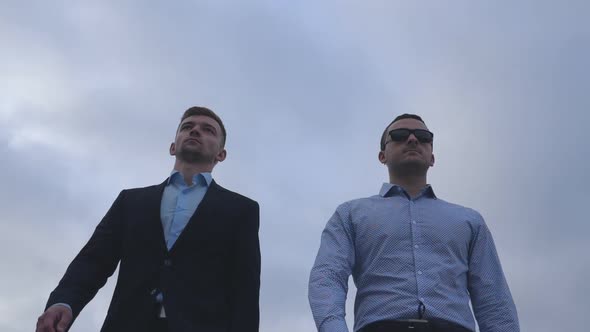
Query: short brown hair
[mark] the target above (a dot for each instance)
(199, 110)
(399, 117)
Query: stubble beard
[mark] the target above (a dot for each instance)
(410, 168)
(195, 157)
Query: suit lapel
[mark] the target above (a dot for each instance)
(153, 203)
(211, 200)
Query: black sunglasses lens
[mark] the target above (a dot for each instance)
(424, 136)
(399, 135)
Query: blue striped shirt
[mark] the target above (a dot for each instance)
(402, 252)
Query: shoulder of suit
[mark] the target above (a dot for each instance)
(143, 189)
(233, 194)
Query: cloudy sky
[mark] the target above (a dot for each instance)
(91, 93)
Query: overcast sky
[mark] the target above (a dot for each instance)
(91, 94)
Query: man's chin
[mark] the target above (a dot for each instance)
(195, 156)
(416, 167)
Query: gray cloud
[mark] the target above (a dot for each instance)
(91, 96)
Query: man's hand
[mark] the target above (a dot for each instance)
(56, 318)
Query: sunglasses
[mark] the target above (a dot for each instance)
(402, 134)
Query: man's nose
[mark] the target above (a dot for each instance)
(412, 139)
(195, 131)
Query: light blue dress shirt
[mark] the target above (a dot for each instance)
(402, 252)
(179, 203)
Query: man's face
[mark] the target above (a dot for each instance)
(198, 139)
(409, 156)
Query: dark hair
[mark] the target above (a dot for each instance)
(399, 117)
(199, 110)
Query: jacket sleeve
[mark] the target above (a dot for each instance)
(245, 314)
(94, 264)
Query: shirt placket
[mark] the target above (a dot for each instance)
(174, 230)
(181, 208)
(415, 247)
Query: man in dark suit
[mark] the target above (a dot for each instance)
(188, 249)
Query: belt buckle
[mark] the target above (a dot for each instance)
(413, 323)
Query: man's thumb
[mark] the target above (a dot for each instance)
(62, 325)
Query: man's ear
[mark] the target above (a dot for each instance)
(381, 156)
(432, 161)
(221, 156)
(172, 149)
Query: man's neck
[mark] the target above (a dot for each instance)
(413, 185)
(188, 171)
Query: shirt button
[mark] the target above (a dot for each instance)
(416, 246)
(422, 299)
(419, 272)
(167, 262)
(414, 222)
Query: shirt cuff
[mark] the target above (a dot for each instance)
(334, 325)
(63, 305)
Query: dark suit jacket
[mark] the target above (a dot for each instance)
(210, 278)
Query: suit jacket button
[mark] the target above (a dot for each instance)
(167, 262)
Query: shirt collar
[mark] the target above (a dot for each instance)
(200, 178)
(391, 189)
